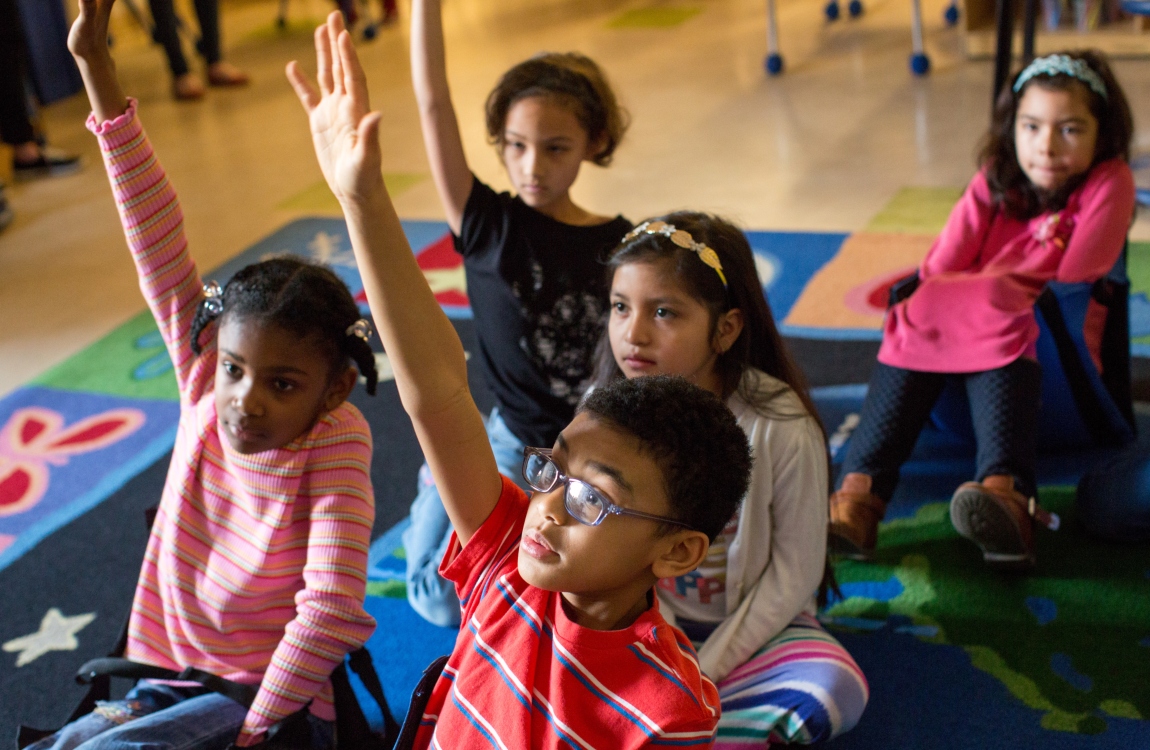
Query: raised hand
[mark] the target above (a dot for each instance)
(344, 132)
(88, 38)
(88, 43)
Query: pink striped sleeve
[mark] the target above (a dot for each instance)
(330, 619)
(154, 227)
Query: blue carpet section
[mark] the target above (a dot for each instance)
(77, 473)
(791, 259)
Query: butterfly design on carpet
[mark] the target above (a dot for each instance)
(36, 438)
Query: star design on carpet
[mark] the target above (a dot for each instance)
(57, 633)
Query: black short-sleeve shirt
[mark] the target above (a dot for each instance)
(538, 292)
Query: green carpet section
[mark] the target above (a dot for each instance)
(654, 18)
(1070, 640)
(317, 198)
(916, 210)
(130, 361)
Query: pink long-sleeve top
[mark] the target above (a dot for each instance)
(256, 565)
(974, 306)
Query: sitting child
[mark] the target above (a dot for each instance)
(685, 300)
(562, 641)
(533, 260)
(257, 561)
(1052, 202)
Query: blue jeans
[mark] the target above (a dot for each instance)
(161, 717)
(425, 540)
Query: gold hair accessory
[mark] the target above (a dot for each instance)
(683, 239)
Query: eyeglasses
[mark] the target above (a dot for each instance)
(586, 504)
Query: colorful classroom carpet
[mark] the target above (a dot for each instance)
(956, 656)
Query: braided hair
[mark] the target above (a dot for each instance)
(303, 298)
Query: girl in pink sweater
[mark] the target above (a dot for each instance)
(1052, 202)
(256, 565)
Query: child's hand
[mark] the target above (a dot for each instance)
(345, 133)
(88, 39)
(88, 43)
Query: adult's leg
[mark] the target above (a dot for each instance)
(167, 35)
(16, 126)
(897, 405)
(802, 687)
(1004, 408)
(208, 13)
(426, 540)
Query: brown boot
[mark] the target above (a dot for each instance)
(855, 513)
(1000, 520)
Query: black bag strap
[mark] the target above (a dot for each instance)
(419, 699)
(1089, 408)
(113, 666)
(364, 668)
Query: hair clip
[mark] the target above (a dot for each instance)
(1053, 65)
(683, 239)
(213, 297)
(361, 328)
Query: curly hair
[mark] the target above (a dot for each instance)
(571, 78)
(1009, 185)
(303, 298)
(694, 439)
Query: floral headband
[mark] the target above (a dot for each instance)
(1053, 65)
(214, 304)
(683, 239)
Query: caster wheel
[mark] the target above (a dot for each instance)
(369, 31)
(774, 64)
(951, 15)
(832, 10)
(281, 23)
(919, 64)
(855, 8)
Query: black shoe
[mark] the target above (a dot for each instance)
(6, 212)
(52, 163)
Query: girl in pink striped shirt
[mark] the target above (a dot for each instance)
(256, 565)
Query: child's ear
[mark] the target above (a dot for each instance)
(685, 553)
(727, 330)
(340, 388)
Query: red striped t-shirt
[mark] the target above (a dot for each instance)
(524, 676)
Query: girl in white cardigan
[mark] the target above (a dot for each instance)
(686, 300)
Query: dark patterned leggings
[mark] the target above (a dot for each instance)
(1003, 407)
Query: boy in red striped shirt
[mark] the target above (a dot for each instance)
(562, 643)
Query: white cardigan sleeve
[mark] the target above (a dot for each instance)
(789, 482)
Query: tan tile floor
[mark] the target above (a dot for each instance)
(823, 147)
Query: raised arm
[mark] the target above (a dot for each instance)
(149, 210)
(425, 352)
(88, 42)
(449, 168)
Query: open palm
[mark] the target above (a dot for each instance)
(344, 132)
